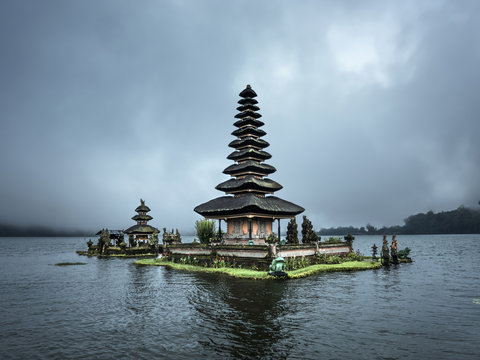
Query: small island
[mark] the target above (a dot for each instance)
(142, 239)
(249, 248)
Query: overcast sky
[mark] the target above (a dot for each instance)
(371, 107)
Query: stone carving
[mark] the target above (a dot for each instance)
(131, 240)
(272, 238)
(277, 268)
(393, 249)
(171, 237)
(374, 252)
(403, 254)
(103, 242)
(154, 238)
(385, 253)
(349, 239)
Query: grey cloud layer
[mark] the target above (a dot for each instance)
(371, 110)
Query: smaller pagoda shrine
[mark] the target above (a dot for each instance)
(139, 234)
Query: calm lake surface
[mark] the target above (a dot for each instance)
(111, 309)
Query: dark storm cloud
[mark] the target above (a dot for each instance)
(370, 109)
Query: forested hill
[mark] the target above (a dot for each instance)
(460, 221)
(38, 231)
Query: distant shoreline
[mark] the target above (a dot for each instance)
(40, 231)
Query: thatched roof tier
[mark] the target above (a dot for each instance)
(248, 107)
(249, 131)
(247, 101)
(140, 217)
(142, 208)
(249, 184)
(248, 113)
(248, 141)
(249, 167)
(248, 92)
(112, 232)
(249, 204)
(249, 154)
(141, 229)
(249, 121)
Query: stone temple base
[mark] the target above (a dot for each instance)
(236, 241)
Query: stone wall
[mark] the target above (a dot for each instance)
(267, 251)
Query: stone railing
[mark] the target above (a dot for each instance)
(258, 251)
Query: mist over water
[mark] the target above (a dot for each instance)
(109, 308)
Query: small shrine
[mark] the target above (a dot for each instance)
(115, 235)
(139, 234)
(248, 208)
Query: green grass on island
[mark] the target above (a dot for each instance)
(258, 275)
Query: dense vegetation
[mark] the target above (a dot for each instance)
(460, 221)
(205, 230)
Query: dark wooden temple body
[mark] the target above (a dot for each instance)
(249, 208)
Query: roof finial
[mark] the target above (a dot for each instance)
(249, 87)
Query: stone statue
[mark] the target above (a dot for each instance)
(106, 242)
(131, 240)
(277, 268)
(272, 238)
(374, 252)
(393, 249)
(154, 238)
(103, 242)
(171, 237)
(403, 254)
(349, 239)
(385, 254)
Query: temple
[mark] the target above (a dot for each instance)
(248, 208)
(139, 233)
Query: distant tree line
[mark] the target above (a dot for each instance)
(38, 231)
(460, 221)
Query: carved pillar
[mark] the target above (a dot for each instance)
(279, 238)
(249, 229)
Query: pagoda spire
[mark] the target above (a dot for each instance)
(248, 174)
(249, 183)
(141, 230)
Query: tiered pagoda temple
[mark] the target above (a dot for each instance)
(142, 230)
(248, 208)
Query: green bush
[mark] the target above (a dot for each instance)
(309, 236)
(322, 258)
(403, 254)
(355, 256)
(292, 231)
(333, 260)
(293, 263)
(205, 230)
(333, 240)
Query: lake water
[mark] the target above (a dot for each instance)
(111, 309)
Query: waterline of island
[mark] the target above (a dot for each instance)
(263, 275)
